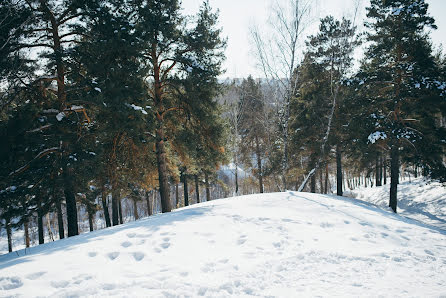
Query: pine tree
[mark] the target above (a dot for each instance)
(171, 49)
(399, 80)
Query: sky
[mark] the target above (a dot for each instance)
(238, 16)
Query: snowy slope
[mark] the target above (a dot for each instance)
(282, 244)
(421, 199)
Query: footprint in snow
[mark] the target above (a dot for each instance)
(326, 225)
(35, 275)
(10, 283)
(346, 222)
(92, 254)
(113, 255)
(138, 255)
(241, 240)
(165, 245)
(60, 284)
(131, 235)
(126, 244)
(384, 235)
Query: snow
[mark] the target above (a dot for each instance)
(137, 108)
(420, 199)
(60, 116)
(97, 89)
(377, 135)
(280, 244)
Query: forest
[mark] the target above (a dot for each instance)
(114, 110)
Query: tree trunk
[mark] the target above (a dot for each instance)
(115, 207)
(40, 225)
(236, 177)
(60, 218)
(321, 180)
(135, 210)
(259, 164)
(394, 169)
(105, 208)
(177, 196)
(26, 228)
(378, 178)
(149, 203)
(166, 205)
(385, 170)
(90, 219)
(338, 171)
(313, 184)
(70, 200)
(208, 190)
(326, 179)
(186, 192)
(121, 221)
(197, 189)
(9, 233)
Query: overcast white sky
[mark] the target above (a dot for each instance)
(237, 16)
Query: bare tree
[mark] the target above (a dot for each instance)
(278, 55)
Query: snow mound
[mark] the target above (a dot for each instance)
(281, 244)
(420, 199)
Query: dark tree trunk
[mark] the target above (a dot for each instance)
(121, 221)
(338, 171)
(26, 228)
(90, 219)
(259, 164)
(40, 225)
(197, 189)
(115, 207)
(236, 178)
(166, 204)
(9, 233)
(177, 196)
(186, 192)
(105, 208)
(378, 171)
(60, 218)
(313, 184)
(385, 170)
(208, 190)
(394, 172)
(149, 203)
(70, 200)
(135, 210)
(321, 180)
(326, 179)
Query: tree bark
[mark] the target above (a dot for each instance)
(115, 207)
(378, 178)
(326, 179)
(105, 208)
(259, 164)
(121, 221)
(197, 189)
(385, 170)
(135, 210)
(9, 233)
(70, 201)
(313, 184)
(149, 203)
(60, 218)
(208, 190)
(26, 228)
(90, 219)
(394, 172)
(177, 196)
(338, 171)
(186, 192)
(40, 224)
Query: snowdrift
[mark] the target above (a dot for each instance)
(282, 244)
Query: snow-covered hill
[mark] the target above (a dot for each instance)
(421, 199)
(281, 244)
